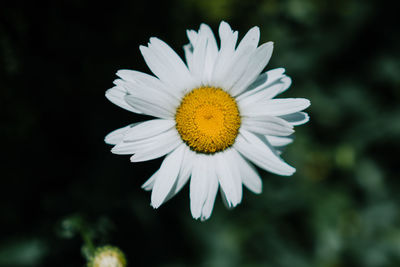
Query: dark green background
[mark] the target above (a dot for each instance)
(341, 208)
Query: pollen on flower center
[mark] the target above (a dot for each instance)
(208, 120)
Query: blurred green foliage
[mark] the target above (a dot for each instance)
(60, 184)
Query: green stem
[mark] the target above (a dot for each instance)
(87, 240)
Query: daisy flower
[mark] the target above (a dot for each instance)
(216, 116)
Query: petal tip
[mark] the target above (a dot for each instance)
(307, 103)
(204, 218)
(154, 206)
(290, 172)
(155, 202)
(108, 139)
(195, 215)
(143, 49)
(114, 150)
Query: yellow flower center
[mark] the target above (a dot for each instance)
(208, 120)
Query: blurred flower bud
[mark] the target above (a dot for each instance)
(107, 256)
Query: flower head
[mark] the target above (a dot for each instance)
(216, 117)
(107, 256)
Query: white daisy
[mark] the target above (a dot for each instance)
(215, 117)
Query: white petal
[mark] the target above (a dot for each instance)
(184, 172)
(153, 62)
(261, 95)
(277, 150)
(267, 125)
(257, 63)
(198, 187)
(186, 169)
(203, 42)
(169, 55)
(148, 129)
(212, 189)
(225, 200)
(267, 90)
(150, 93)
(275, 107)
(116, 136)
(225, 54)
(278, 141)
(166, 177)
(260, 154)
(192, 36)
(199, 56)
(137, 76)
(156, 146)
(225, 180)
(150, 108)
(262, 82)
(148, 185)
(188, 49)
(264, 92)
(147, 83)
(233, 167)
(167, 65)
(236, 70)
(211, 53)
(149, 148)
(251, 39)
(179, 74)
(117, 96)
(297, 118)
(287, 82)
(205, 29)
(228, 179)
(240, 60)
(250, 177)
(227, 36)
